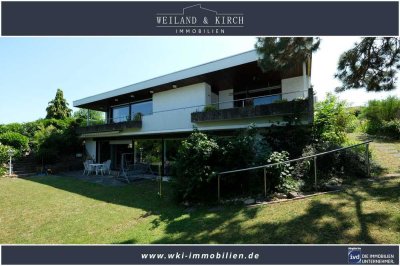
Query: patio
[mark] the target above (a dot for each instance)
(108, 180)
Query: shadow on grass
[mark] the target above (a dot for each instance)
(339, 220)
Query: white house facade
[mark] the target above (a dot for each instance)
(220, 96)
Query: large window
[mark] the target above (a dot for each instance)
(144, 108)
(120, 113)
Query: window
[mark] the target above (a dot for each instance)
(144, 108)
(267, 99)
(120, 113)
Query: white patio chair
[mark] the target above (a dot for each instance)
(87, 168)
(106, 167)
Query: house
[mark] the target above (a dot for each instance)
(146, 120)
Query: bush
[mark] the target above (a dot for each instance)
(3, 171)
(391, 128)
(194, 169)
(280, 176)
(55, 138)
(4, 153)
(210, 107)
(15, 140)
(379, 112)
(331, 119)
(249, 148)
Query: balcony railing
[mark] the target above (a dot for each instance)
(299, 102)
(110, 124)
(282, 104)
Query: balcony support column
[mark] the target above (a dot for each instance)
(87, 117)
(163, 156)
(310, 105)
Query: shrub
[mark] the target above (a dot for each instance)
(210, 107)
(331, 119)
(195, 168)
(391, 128)
(4, 153)
(281, 178)
(15, 140)
(3, 171)
(55, 138)
(378, 112)
(249, 148)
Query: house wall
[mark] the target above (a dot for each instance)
(294, 85)
(90, 146)
(180, 103)
(226, 96)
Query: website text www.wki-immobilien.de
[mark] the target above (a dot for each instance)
(200, 256)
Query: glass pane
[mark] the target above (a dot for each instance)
(120, 114)
(266, 100)
(144, 108)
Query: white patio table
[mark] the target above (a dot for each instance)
(96, 166)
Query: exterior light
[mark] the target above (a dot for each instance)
(116, 100)
(151, 92)
(132, 96)
(174, 86)
(10, 153)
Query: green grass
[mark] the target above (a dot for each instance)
(66, 210)
(385, 152)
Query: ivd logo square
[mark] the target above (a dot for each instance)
(354, 255)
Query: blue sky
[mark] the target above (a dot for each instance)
(31, 69)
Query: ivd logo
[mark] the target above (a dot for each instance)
(354, 255)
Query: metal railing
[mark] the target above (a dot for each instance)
(314, 157)
(249, 101)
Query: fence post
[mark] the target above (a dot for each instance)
(219, 196)
(315, 172)
(265, 182)
(367, 158)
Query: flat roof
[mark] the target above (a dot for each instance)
(212, 66)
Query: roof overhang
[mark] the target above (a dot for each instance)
(228, 62)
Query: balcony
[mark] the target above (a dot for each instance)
(267, 106)
(109, 125)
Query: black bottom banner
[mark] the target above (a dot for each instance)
(199, 254)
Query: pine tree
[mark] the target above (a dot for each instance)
(282, 53)
(371, 64)
(58, 107)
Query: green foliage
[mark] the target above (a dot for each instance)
(16, 140)
(391, 128)
(201, 156)
(371, 64)
(55, 138)
(4, 157)
(137, 117)
(248, 148)
(331, 120)
(195, 168)
(95, 117)
(58, 107)
(380, 113)
(280, 176)
(3, 171)
(281, 53)
(209, 107)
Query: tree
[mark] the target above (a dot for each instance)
(58, 107)
(371, 64)
(282, 53)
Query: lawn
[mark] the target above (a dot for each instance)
(385, 152)
(54, 209)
